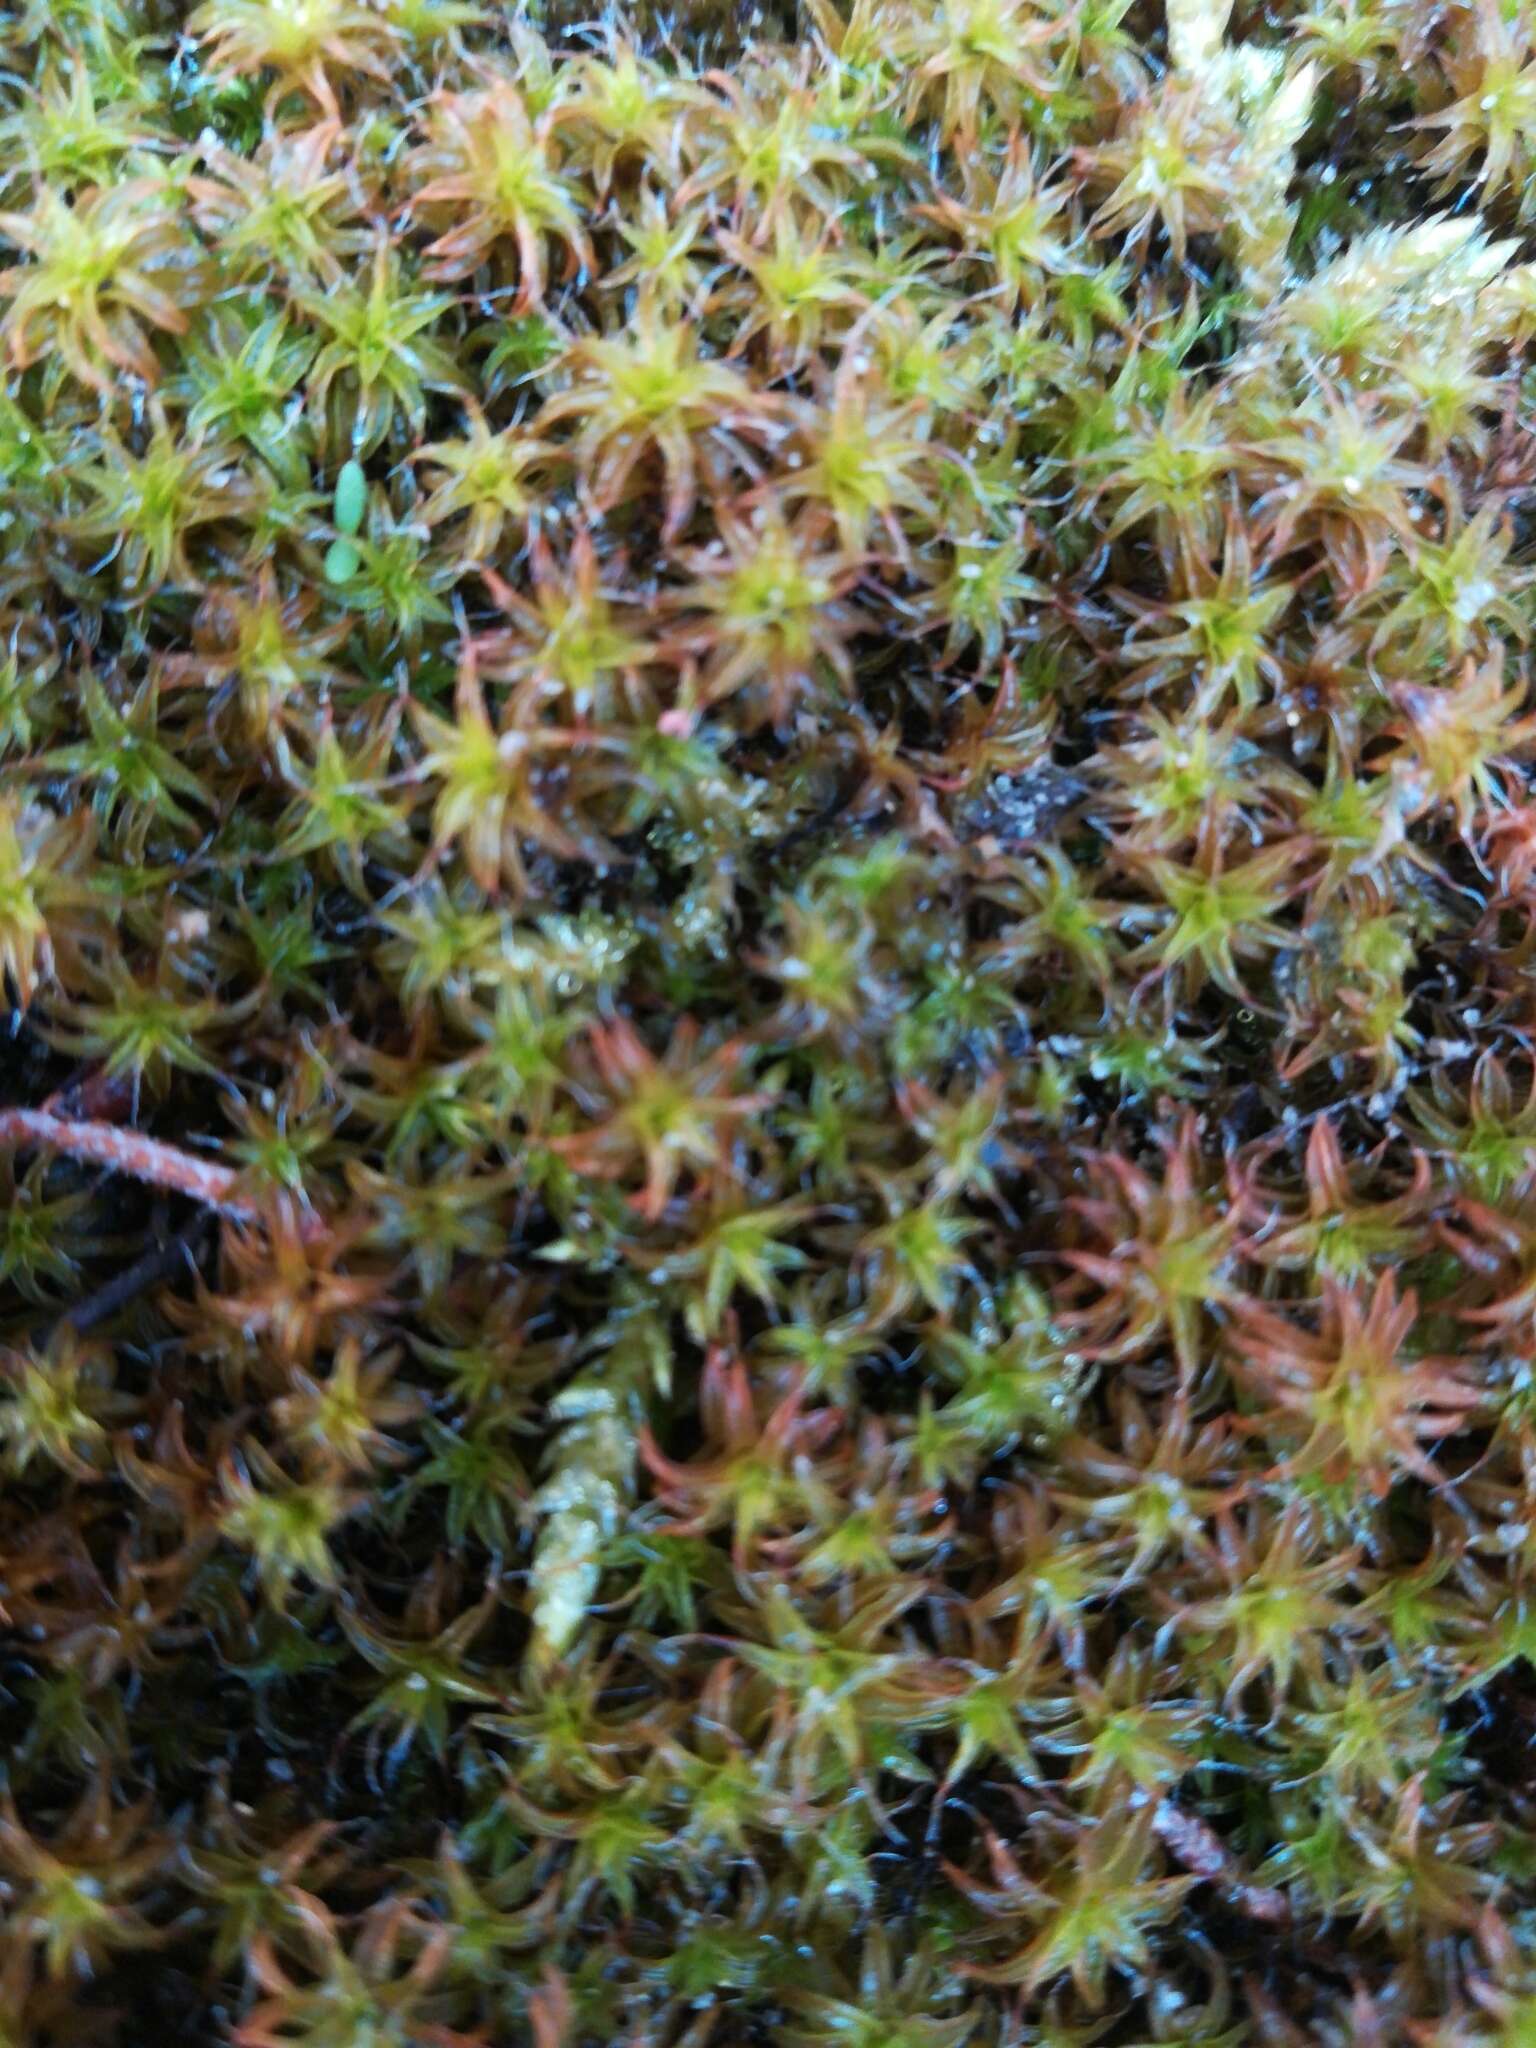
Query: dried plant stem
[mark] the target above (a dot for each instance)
(161, 1262)
(1200, 1849)
(93, 1095)
(130, 1152)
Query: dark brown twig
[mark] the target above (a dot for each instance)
(161, 1262)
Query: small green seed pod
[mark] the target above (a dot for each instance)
(351, 497)
(341, 561)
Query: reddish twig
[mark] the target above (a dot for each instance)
(130, 1152)
(1200, 1849)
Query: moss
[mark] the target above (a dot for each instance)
(767, 872)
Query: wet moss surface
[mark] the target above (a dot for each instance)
(768, 1122)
